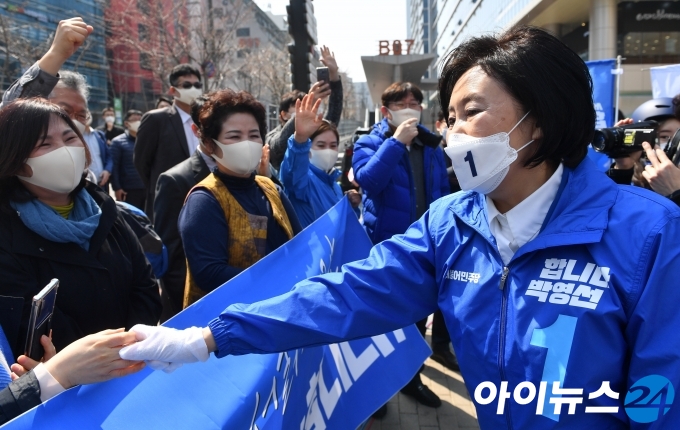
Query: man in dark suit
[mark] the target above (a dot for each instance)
(171, 190)
(165, 138)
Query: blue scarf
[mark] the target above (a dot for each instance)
(6, 359)
(45, 221)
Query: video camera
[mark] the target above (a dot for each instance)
(619, 142)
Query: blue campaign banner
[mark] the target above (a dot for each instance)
(603, 99)
(336, 386)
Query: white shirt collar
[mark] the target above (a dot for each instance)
(207, 158)
(185, 116)
(524, 220)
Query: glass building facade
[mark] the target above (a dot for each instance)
(36, 21)
(646, 33)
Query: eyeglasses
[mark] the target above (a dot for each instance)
(82, 117)
(186, 85)
(400, 106)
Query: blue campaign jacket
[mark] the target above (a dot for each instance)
(383, 170)
(593, 298)
(311, 191)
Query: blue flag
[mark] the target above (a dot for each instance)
(603, 99)
(335, 386)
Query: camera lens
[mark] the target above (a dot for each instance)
(599, 141)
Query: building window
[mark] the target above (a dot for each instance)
(243, 32)
(147, 89)
(142, 32)
(143, 7)
(144, 61)
(650, 47)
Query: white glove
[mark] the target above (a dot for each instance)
(165, 348)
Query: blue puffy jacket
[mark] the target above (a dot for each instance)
(383, 170)
(593, 298)
(311, 191)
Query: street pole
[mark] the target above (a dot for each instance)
(618, 73)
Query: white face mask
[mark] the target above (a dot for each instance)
(81, 127)
(481, 163)
(188, 95)
(399, 116)
(60, 170)
(241, 158)
(109, 119)
(324, 159)
(134, 126)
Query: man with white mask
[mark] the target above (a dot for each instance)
(165, 138)
(109, 128)
(71, 94)
(400, 168)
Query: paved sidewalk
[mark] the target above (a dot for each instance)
(456, 412)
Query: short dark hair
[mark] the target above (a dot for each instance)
(441, 116)
(544, 77)
(222, 104)
(23, 124)
(182, 70)
(326, 126)
(106, 109)
(196, 107)
(165, 99)
(289, 99)
(398, 90)
(131, 112)
(676, 107)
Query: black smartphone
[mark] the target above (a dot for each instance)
(322, 74)
(40, 321)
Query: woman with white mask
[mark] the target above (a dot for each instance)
(54, 224)
(557, 285)
(247, 214)
(308, 172)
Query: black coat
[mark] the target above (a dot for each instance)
(161, 144)
(19, 396)
(110, 286)
(171, 191)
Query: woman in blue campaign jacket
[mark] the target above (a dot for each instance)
(308, 172)
(558, 286)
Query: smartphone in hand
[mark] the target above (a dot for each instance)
(322, 74)
(40, 321)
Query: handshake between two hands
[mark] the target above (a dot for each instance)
(114, 353)
(165, 348)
